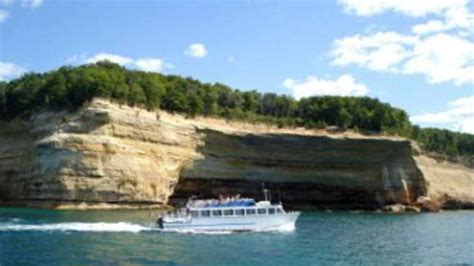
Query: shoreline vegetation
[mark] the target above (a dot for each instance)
(69, 88)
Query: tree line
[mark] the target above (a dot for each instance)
(70, 87)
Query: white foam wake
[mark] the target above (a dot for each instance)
(121, 227)
(289, 227)
(79, 227)
(286, 228)
(198, 232)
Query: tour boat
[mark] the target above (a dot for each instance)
(231, 214)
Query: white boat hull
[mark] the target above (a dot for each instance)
(281, 221)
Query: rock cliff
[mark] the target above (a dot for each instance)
(106, 155)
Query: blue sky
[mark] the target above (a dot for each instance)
(416, 56)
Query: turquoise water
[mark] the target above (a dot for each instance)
(38, 237)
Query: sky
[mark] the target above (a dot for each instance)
(415, 55)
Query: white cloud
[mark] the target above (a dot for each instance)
(408, 7)
(440, 57)
(381, 51)
(23, 3)
(148, 64)
(466, 125)
(10, 70)
(460, 18)
(31, 3)
(458, 116)
(121, 60)
(439, 49)
(430, 26)
(345, 85)
(196, 50)
(453, 14)
(3, 15)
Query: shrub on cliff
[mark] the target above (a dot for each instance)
(444, 141)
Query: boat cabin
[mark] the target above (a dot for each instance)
(239, 208)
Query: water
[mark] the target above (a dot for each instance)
(38, 237)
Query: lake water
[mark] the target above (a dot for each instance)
(38, 237)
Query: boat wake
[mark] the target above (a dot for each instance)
(120, 227)
(78, 227)
(290, 227)
(198, 232)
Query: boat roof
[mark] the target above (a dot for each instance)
(213, 203)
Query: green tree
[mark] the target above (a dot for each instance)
(210, 101)
(136, 95)
(71, 87)
(3, 107)
(344, 118)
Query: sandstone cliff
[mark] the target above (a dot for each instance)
(450, 184)
(107, 155)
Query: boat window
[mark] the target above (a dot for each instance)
(261, 211)
(279, 210)
(194, 214)
(216, 213)
(271, 210)
(239, 212)
(228, 212)
(205, 213)
(250, 211)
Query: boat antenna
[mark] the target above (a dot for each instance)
(279, 195)
(265, 192)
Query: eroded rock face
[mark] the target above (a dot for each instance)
(110, 155)
(101, 154)
(317, 170)
(450, 185)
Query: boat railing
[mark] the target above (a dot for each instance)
(220, 203)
